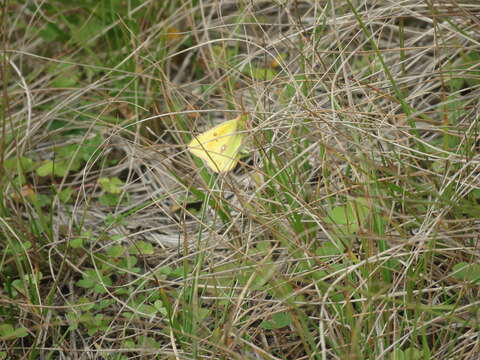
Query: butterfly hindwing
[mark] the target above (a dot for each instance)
(219, 146)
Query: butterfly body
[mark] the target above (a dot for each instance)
(219, 147)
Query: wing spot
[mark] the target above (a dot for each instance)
(223, 148)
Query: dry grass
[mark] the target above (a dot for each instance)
(349, 229)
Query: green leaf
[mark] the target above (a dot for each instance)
(51, 32)
(66, 75)
(20, 332)
(103, 304)
(289, 91)
(80, 241)
(145, 342)
(320, 274)
(142, 247)
(166, 270)
(63, 167)
(466, 272)
(263, 247)
(115, 251)
(476, 194)
(129, 262)
(17, 248)
(72, 318)
(26, 281)
(261, 276)
(259, 73)
(90, 147)
(94, 324)
(67, 159)
(202, 313)
(129, 315)
(109, 199)
(21, 163)
(86, 304)
(99, 287)
(42, 200)
(279, 320)
(58, 168)
(111, 185)
(45, 169)
(87, 31)
(91, 280)
(146, 310)
(76, 243)
(349, 217)
(129, 344)
(67, 151)
(407, 354)
(65, 195)
(455, 84)
(159, 306)
(329, 249)
(86, 283)
(7, 331)
(18, 181)
(65, 80)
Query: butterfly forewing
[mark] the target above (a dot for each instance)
(219, 146)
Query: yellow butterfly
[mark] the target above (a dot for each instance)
(219, 147)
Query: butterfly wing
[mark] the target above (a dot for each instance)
(219, 146)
